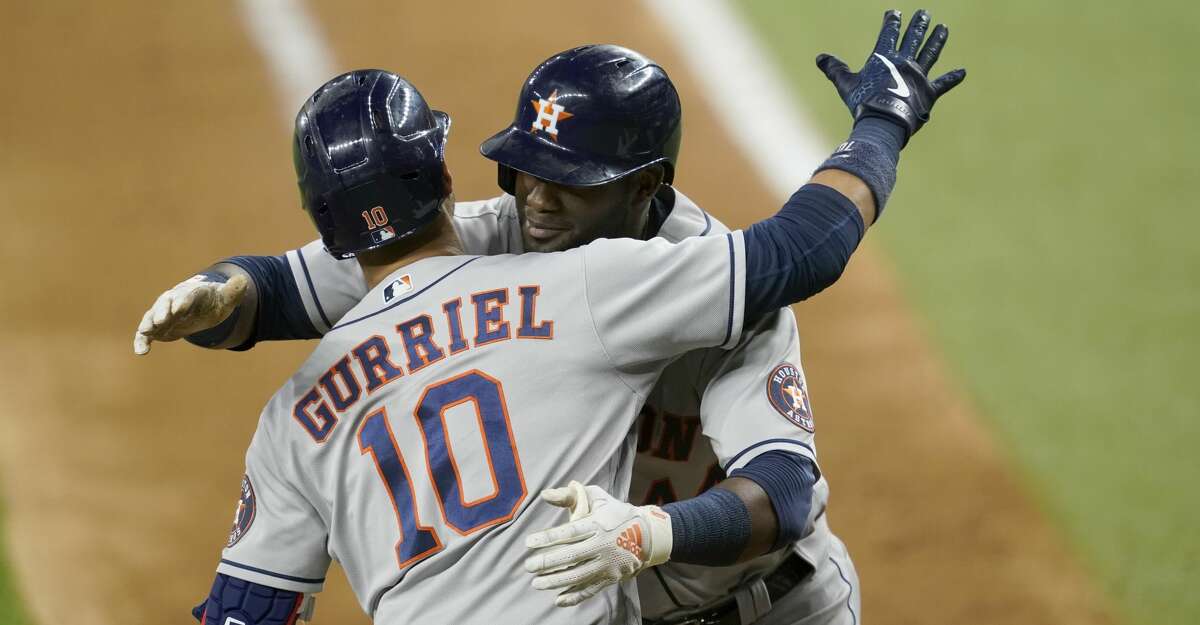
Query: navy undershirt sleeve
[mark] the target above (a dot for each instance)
(788, 479)
(799, 251)
(281, 314)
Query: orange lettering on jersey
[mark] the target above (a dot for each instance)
(342, 399)
(715, 474)
(375, 359)
(647, 419)
(660, 493)
(318, 422)
(417, 334)
(453, 310)
(529, 328)
(490, 325)
(677, 437)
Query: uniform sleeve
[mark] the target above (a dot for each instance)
(488, 227)
(278, 538)
(327, 287)
(756, 399)
(653, 300)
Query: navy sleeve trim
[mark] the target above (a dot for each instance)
(769, 441)
(853, 616)
(312, 289)
(401, 301)
(290, 578)
(281, 313)
(707, 223)
(732, 288)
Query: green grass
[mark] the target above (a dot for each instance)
(12, 610)
(1045, 224)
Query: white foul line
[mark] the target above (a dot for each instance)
(290, 40)
(745, 89)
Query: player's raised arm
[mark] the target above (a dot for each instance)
(776, 262)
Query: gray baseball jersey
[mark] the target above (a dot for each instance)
(413, 442)
(744, 402)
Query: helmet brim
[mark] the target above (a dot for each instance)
(543, 158)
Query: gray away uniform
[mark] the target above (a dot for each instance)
(412, 444)
(717, 393)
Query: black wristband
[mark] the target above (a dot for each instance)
(711, 529)
(872, 153)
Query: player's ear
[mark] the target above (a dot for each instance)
(646, 183)
(447, 179)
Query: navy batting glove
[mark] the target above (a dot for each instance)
(894, 82)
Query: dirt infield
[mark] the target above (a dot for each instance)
(148, 142)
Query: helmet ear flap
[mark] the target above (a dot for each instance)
(506, 177)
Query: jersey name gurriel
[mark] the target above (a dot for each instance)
(491, 317)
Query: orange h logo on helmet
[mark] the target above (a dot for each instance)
(549, 113)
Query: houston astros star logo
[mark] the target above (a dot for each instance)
(786, 392)
(549, 113)
(243, 515)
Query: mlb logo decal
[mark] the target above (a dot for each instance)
(787, 393)
(549, 113)
(243, 515)
(385, 233)
(397, 287)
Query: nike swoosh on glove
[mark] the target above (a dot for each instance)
(894, 82)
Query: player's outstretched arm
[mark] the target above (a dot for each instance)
(215, 298)
(271, 306)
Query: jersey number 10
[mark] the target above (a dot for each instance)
(418, 541)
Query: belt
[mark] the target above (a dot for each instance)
(779, 582)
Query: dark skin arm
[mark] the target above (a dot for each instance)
(764, 525)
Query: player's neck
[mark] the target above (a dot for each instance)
(439, 239)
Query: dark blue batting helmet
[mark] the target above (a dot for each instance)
(588, 116)
(369, 157)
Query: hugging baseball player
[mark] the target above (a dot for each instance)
(752, 544)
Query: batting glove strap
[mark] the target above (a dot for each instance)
(613, 542)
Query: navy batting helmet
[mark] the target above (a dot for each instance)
(588, 116)
(369, 157)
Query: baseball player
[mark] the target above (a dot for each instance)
(668, 460)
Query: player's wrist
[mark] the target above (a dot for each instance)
(712, 529)
(661, 539)
(871, 153)
(217, 336)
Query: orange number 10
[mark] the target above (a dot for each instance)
(376, 218)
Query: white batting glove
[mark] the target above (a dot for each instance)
(188, 307)
(605, 542)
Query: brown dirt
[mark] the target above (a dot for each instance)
(136, 134)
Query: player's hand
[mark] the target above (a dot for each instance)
(605, 542)
(191, 306)
(894, 82)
